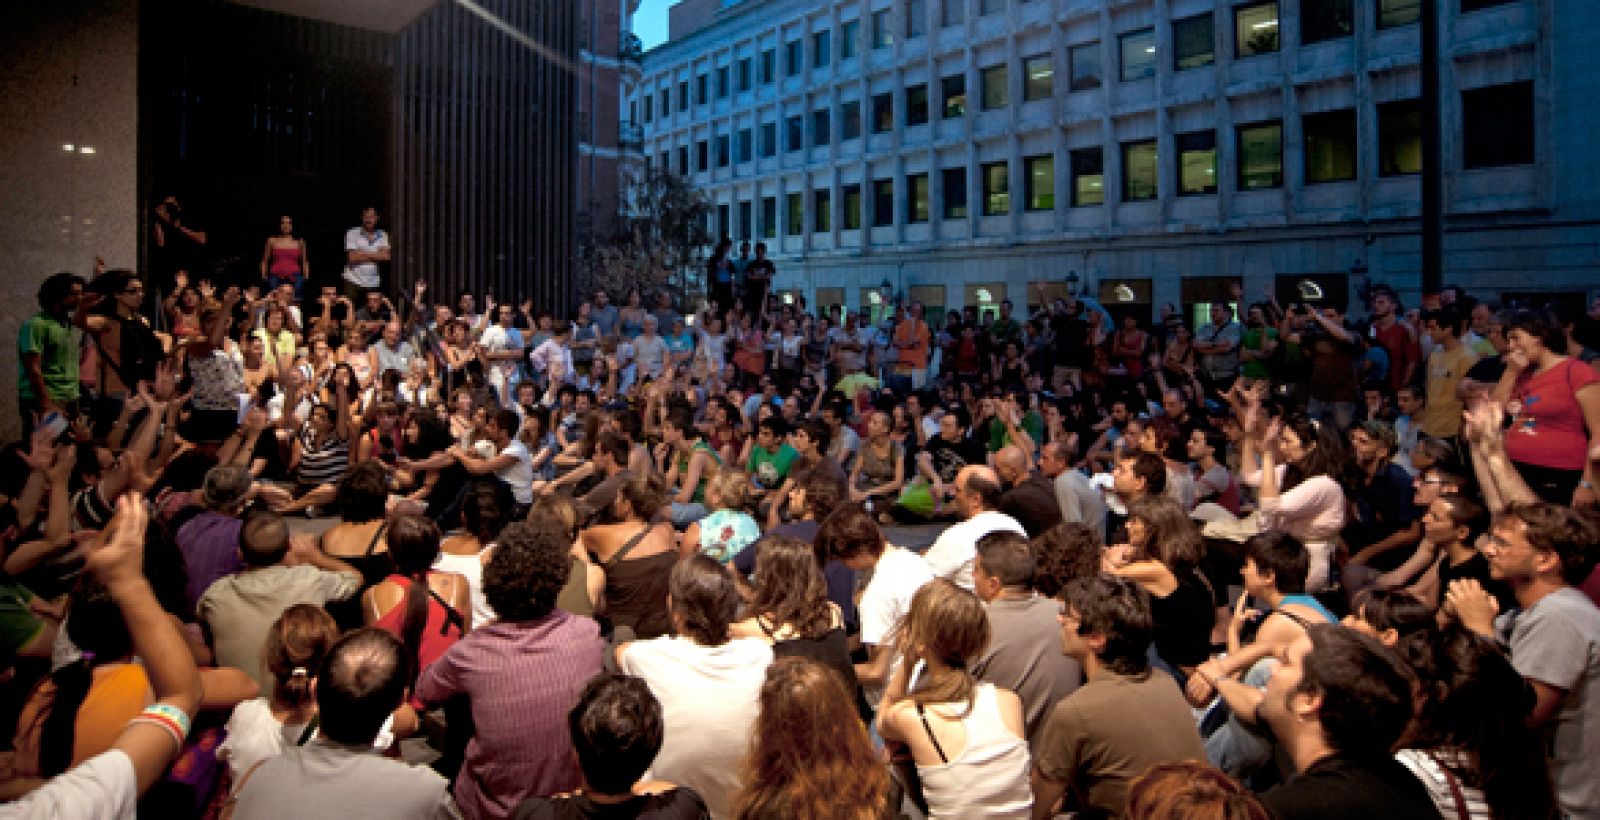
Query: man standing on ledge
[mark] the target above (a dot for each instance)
(364, 248)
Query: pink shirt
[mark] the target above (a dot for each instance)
(1312, 511)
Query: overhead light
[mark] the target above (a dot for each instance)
(68, 147)
(86, 149)
(1123, 293)
(788, 298)
(1309, 290)
(1264, 24)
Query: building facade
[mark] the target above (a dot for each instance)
(1148, 152)
(609, 146)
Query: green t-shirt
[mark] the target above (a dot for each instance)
(1253, 340)
(769, 470)
(1032, 424)
(18, 624)
(51, 338)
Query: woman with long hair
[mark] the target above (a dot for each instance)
(1471, 745)
(966, 737)
(789, 608)
(1163, 555)
(1299, 461)
(285, 260)
(260, 728)
(637, 553)
(483, 516)
(1190, 790)
(428, 610)
(808, 759)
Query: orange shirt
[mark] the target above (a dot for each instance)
(912, 339)
(119, 693)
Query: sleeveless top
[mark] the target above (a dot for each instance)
(442, 630)
(1183, 620)
(831, 650)
(285, 260)
(683, 464)
(636, 590)
(374, 567)
(469, 567)
(989, 778)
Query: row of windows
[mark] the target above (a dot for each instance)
(1255, 26)
(1497, 131)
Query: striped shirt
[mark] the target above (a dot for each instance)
(325, 464)
(1425, 765)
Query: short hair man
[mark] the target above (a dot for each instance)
(209, 541)
(363, 680)
(1027, 496)
(1024, 652)
(1139, 474)
(1124, 719)
(978, 501)
(1078, 500)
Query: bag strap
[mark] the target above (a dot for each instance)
(921, 713)
(627, 548)
(232, 802)
(376, 537)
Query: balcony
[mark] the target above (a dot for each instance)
(630, 137)
(630, 49)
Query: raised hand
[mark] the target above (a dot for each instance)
(180, 280)
(117, 556)
(166, 382)
(207, 290)
(1480, 422)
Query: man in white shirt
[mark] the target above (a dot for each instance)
(851, 537)
(977, 495)
(502, 349)
(513, 464)
(364, 248)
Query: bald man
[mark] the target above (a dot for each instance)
(977, 500)
(1026, 495)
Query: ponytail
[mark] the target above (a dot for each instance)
(58, 728)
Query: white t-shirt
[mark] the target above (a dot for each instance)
(496, 339)
(709, 702)
(952, 554)
(887, 598)
(519, 473)
(104, 787)
(255, 735)
(365, 274)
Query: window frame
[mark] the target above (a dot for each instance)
(1240, 42)
(1353, 143)
(1001, 96)
(949, 205)
(1078, 169)
(1044, 87)
(1075, 82)
(1127, 170)
(1209, 56)
(1242, 172)
(1132, 39)
(996, 199)
(1034, 200)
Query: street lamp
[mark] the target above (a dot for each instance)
(1072, 283)
(1358, 277)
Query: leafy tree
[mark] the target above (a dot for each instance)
(659, 240)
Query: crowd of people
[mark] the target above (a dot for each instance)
(630, 560)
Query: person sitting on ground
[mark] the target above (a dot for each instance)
(851, 536)
(966, 737)
(816, 494)
(616, 729)
(428, 610)
(1181, 791)
(360, 684)
(1024, 652)
(1123, 720)
(636, 552)
(1163, 556)
(258, 729)
(358, 539)
(978, 500)
(1027, 496)
(209, 541)
(465, 553)
(730, 528)
(688, 462)
(519, 673)
(1077, 500)
(707, 680)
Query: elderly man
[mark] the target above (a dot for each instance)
(391, 352)
(977, 499)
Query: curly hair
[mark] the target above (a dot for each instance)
(1063, 553)
(810, 755)
(789, 587)
(526, 572)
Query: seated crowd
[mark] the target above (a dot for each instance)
(313, 561)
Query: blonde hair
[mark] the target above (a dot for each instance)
(731, 488)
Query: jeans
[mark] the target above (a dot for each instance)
(1340, 414)
(1238, 750)
(685, 514)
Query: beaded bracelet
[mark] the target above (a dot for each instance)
(174, 720)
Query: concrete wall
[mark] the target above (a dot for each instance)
(68, 76)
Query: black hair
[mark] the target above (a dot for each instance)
(1542, 325)
(617, 729)
(483, 513)
(1447, 317)
(1150, 467)
(985, 490)
(1008, 557)
(96, 627)
(819, 432)
(362, 680)
(1365, 691)
(57, 287)
(363, 493)
(529, 567)
(1283, 555)
(1117, 610)
(703, 595)
(413, 545)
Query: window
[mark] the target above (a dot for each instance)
(1088, 177)
(882, 33)
(953, 89)
(743, 74)
(952, 12)
(702, 89)
(821, 210)
(821, 48)
(1260, 156)
(1039, 182)
(795, 138)
(661, 160)
(917, 198)
(1197, 163)
(917, 104)
(849, 39)
(1393, 13)
(1325, 20)
(702, 155)
(988, 7)
(993, 82)
(1255, 29)
(1193, 42)
(769, 139)
(683, 95)
(744, 145)
(882, 203)
(916, 18)
(1138, 55)
(724, 152)
(882, 113)
(683, 159)
(722, 82)
(1497, 125)
(1479, 5)
(794, 204)
(1399, 138)
(1330, 145)
(1084, 64)
(746, 229)
(953, 184)
(996, 188)
(769, 217)
(1139, 171)
(793, 58)
(851, 218)
(649, 107)
(1038, 78)
(850, 119)
(724, 220)
(769, 66)
(666, 101)
(821, 127)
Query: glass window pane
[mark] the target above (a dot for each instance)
(850, 114)
(954, 185)
(1400, 138)
(852, 206)
(769, 139)
(1260, 156)
(1138, 55)
(769, 216)
(917, 198)
(882, 113)
(822, 211)
(769, 61)
(1085, 60)
(994, 87)
(1393, 13)
(882, 34)
(849, 34)
(996, 189)
(1039, 78)
(795, 205)
(952, 12)
(916, 18)
(1255, 29)
(1330, 146)
(1193, 42)
(821, 127)
(796, 136)
(1088, 177)
(1197, 163)
(1139, 171)
(1326, 20)
(1041, 182)
(821, 48)
(954, 90)
(917, 104)
(1497, 125)
(882, 203)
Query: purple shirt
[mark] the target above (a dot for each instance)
(210, 546)
(522, 679)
